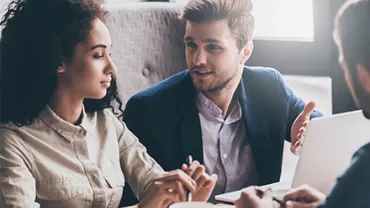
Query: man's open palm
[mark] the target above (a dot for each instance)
(298, 130)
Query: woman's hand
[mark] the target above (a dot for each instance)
(168, 189)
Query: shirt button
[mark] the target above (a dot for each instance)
(224, 156)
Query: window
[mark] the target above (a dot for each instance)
(284, 19)
(290, 20)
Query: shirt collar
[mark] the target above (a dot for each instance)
(213, 109)
(88, 123)
(64, 128)
(207, 104)
(236, 113)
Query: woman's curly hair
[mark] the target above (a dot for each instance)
(36, 36)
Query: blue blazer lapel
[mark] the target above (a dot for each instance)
(257, 129)
(190, 129)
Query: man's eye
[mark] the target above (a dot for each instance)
(191, 45)
(213, 47)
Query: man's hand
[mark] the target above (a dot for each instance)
(304, 197)
(167, 189)
(205, 183)
(298, 130)
(250, 199)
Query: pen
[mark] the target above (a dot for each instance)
(189, 161)
(282, 203)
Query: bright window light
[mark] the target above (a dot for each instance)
(290, 20)
(284, 19)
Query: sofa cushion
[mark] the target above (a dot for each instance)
(147, 42)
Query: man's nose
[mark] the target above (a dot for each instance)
(200, 57)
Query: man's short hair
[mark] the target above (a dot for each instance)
(238, 13)
(352, 32)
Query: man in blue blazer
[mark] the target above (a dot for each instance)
(230, 117)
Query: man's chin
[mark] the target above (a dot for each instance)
(199, 85)
(201, 88)
(206, 87)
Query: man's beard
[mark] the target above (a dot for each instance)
(219, 87)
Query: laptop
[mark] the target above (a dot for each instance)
(328, 148)
(329, 145)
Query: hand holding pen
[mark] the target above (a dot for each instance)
(204, 182)
(260, 193)
(252, 197)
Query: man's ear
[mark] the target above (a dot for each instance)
(363, 76)
(246, 52)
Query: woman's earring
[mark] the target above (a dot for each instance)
(60, 68)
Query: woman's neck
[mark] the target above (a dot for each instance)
(67, 107)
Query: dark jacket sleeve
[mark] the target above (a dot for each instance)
(295, 105)
(353, 187)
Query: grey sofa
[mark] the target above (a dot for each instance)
(148, 43)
